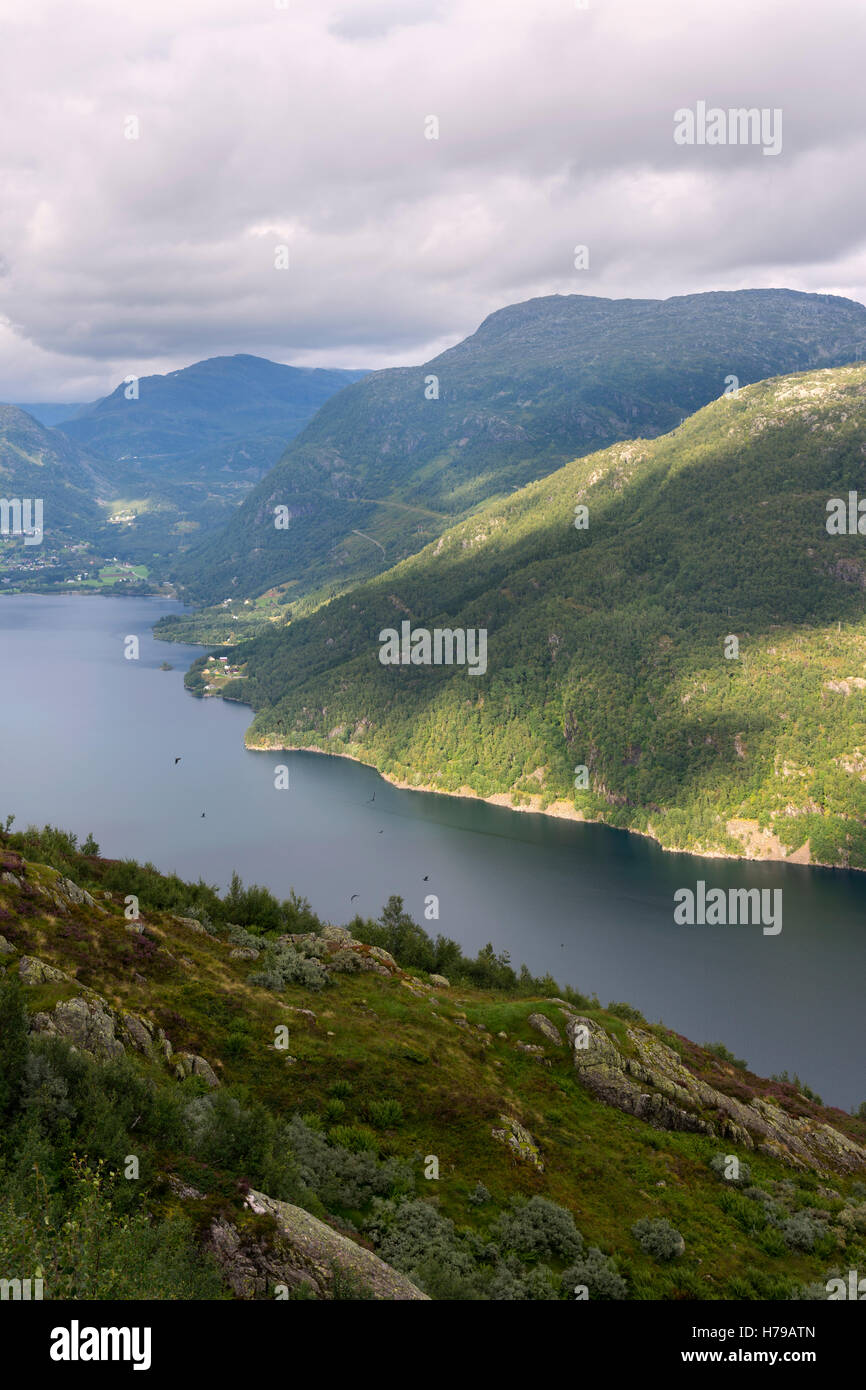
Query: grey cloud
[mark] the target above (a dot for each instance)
(305, 126)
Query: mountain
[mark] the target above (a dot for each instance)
(36, 462)
(320, 1112)
(610, 648)
(227, 417)
(50, 412)
(382, 469)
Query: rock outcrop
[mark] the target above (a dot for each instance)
(655, 1085)
(299, 1249)
(542, 1024)
(517, 1138)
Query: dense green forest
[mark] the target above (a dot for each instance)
(609, 647)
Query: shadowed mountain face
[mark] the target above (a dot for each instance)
(227, 414)
(392, 461)
(36, 462)
(609, 647)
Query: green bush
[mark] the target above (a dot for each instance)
(598, 1273)
(538, 1227)
(658, 1238)
(282, 965)
(384, 1114)
(801, 1231)
(355, 1138)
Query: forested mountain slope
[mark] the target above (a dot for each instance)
(391, 462)
(612, 647)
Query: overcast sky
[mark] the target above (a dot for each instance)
(304, 126)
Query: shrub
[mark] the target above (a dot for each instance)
(414, 1238)
(339, 1177)
(598, 1273)
(801, 1231)
(538, 1227)
(479, 1195)
(719, 1050)
(355, 1138)
(282, 965)
(384, 1114)
(658, 1238)
(719, 1165)
(626, 1011)
(344, 962)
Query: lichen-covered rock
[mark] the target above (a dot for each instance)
(79, 896)
(339, 934)
(6, 947)
(299, 1250)
(244, 953)
(39, 972)
(306, 1014)
(140, 1033)
(548, 1030)
(194, 925)
(679, 1100)
(384, 957)
(85, 1022)
(520, 1141)
(440, 982)
(190, 1064)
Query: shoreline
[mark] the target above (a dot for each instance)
(562, 810)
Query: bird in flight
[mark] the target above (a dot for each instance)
(425, 878)
(353, 897)
(176, 761)
(202, 815)
(371, 798)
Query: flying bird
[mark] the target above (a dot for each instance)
(371, 798)
(202, 815)
(425, 878)
(176, 761)
(353, 897)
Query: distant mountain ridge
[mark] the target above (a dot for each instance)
(172, 462)
(198, 414)
(390, 462)
(38, 462)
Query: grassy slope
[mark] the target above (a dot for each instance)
(608, 1168)
(606, 645)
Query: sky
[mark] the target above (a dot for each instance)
(161, 162)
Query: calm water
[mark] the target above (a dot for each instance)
(89, 741)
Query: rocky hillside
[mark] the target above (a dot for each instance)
(231, 1112)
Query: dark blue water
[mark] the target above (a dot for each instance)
(89, 740)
